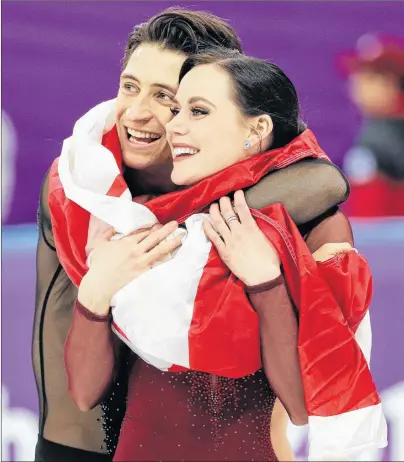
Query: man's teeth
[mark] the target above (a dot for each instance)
(183, 151)
(145, 135)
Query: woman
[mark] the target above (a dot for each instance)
(242, 112)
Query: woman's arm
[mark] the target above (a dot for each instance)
(254, 260)
(307, 189)
(90, 357)
(279, 336)
(90, 354)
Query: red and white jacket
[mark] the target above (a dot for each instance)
(178, 326)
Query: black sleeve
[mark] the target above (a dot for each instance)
(60, 419)
(307, 189)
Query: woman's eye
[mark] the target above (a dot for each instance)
(174, 110)
(197, 111)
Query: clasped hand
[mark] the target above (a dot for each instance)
(242, 246)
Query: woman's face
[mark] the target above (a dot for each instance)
(207, 133)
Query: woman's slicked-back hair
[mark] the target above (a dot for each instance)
(258, 87)
(185, 31)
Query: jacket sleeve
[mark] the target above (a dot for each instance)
(279, 324)
(54, 300)
(307, 189)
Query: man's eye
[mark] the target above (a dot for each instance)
(129, 87)
(164, 96)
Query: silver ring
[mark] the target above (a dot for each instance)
(231, 218)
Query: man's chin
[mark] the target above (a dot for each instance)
(137, 160)
(143, 160)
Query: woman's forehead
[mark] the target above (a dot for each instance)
(207, 81)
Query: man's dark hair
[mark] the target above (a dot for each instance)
(258, 87)
(185, 31)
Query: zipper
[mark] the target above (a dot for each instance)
(213, 380)
(215, 409)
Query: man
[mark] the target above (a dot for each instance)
(375, 165)
(153, 58)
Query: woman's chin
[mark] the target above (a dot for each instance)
(181, 178)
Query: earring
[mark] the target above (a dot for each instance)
(247, 144)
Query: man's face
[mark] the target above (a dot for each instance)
(148, 84)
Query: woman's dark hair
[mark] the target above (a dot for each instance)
(183, 30)
(259, 87)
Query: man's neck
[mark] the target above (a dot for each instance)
(154, 180)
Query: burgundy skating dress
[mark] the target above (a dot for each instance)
(193, 416)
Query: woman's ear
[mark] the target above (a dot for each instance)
(261, 130)
(264, 125)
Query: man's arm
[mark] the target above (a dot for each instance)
(307, 189)
(54, 300)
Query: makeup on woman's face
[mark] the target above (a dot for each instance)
(206, 134)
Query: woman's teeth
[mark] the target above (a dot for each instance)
(138, 137)
(184, 151)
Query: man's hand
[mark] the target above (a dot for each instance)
(330, 250)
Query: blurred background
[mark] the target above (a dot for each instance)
(347, 62)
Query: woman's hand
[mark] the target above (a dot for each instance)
(115, 263)
(330, 250)
(241, 245)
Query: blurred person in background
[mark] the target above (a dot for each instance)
(154, 55)
(375, 165)
(8, 161)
